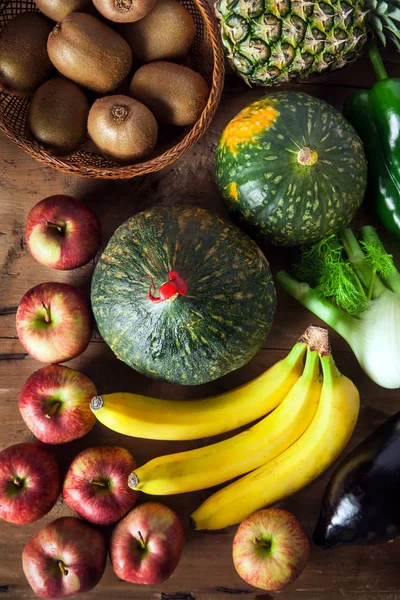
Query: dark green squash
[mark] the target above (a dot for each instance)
(192, 338)
(291, 168)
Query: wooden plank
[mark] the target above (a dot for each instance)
(206, 571)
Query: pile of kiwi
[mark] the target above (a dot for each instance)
(109, 68)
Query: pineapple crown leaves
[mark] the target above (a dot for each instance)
(384, 17)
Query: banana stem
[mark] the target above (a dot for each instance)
(316, 338)
(329, 369)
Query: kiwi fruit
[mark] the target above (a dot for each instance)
(175, 94)
(57, 116)
(166, 33)
(58, 9)
(89, 52)
(124, 11)
(24, 62)
(123, 129)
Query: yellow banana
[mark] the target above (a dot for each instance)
(216, 463)
(157, 419)
(300, 464)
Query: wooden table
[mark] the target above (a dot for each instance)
(206, 571)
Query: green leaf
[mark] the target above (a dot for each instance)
(381, 9)
(394, 13)
(324, 267)
(378, 259)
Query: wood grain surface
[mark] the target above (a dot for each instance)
(206, 571)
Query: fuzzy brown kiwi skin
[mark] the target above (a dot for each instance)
(175, 94)
(166, 33)
(58, 9)
(24, 62)
(123, 129)
(57, 116)
(124, 11)
(89, 52)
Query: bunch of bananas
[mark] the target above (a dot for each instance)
(312, 410)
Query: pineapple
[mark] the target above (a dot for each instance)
(276, 41)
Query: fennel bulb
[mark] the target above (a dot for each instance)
(358, 296)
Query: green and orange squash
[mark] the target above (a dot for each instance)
(181, 295)
(291, 168)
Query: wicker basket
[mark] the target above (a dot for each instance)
(206, 56)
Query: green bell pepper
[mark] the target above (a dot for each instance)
(375, 114)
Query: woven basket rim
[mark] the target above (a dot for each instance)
(167, 157)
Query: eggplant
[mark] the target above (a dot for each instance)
(361, 504)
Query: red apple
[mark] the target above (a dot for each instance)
(147, 544)
(270, 549)
(62, 232)
(54, 322)
(65, 558)
(96, 485)
(30, 482)
(55, 404)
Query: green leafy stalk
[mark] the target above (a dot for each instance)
(324, 266)
(360, 265)
(355, 288)
(379, 259)
(334, 316)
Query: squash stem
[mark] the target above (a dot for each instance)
(361, 268)
(322, 308)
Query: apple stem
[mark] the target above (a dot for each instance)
(265, 543)
(53, 409)
(47, 316)
(51, 224)
(17, 481)
(141, 540)
(98, 482)
(62, 568)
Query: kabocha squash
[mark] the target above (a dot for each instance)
(291, 168)
(182, 295)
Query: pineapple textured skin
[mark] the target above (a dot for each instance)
(276, 41)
